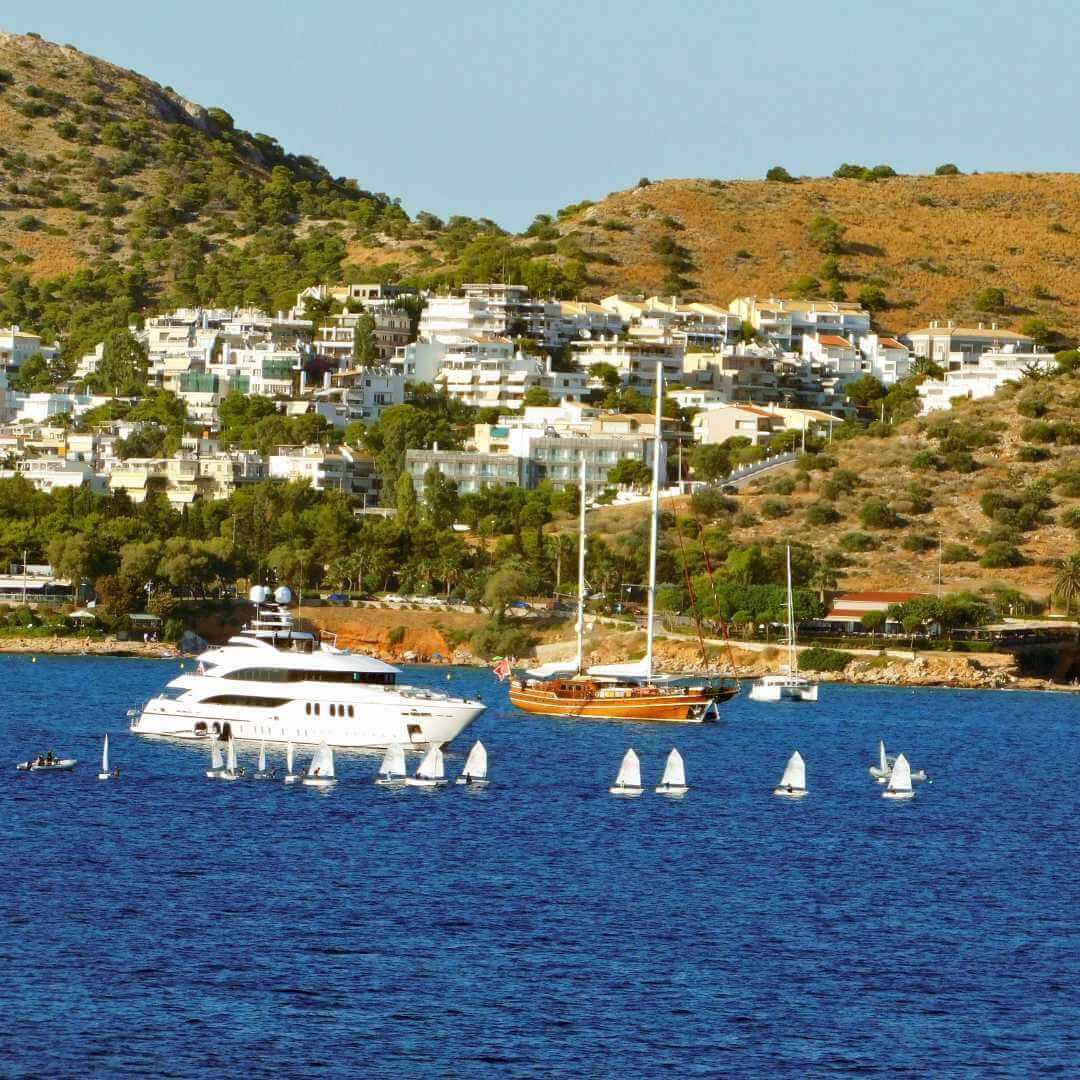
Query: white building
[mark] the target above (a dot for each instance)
(486, 309)
(885, 358)
(18, 345)
(982, 377)
(952, 347)
(635, 361)
(343, 469)
(786, 321)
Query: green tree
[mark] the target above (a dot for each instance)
(779, 174)
(503, 586)
(872, 297)
(710, 462)
(865, 391)
(405, 500)
(826, 234)
(949, 169)
(365, 351)
(1038, 330)
(1067, 582)
(538, 395)
(630, 471)
(874, 622)
(990, 298)
(124, 363)
(440, 499)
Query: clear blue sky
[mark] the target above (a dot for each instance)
(508, 109)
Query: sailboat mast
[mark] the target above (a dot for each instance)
(793, 654)
(581, 575)
(655, 520)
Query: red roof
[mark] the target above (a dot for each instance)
(890, 343)
(835, 340)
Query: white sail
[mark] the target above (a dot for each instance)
(393, 762)
(431, 768)
(232, 755)
(105, 756)
(216, 761)
(476, 762)
(289, 757)
(882, 763)
(262, 756)
(674, 771)
(328, 758)
(322, 764)
(900, 777)
(629, 771)
(795, 774)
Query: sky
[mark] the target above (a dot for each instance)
(506, 110)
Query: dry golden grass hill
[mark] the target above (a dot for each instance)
(1016, 455)
(929, 242)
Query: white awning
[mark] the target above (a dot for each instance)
(555, 667)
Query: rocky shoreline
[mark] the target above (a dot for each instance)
(72, 646)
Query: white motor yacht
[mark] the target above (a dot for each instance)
(275, 683)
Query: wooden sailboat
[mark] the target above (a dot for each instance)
(431, 772)
(634, 691)
(628, 782)
(392, 769)
(475, 771)
(673, 782)
(793, 783)
(789, 685)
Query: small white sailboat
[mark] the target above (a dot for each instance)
(290, 776)
(475, 771)
(881, 770)
(789, 685)
(628, 782)
(320, 773)
(431, 772)
(263, 773)
(392, 767)
(899, 786)
(793, 783)
(217, 762)
(231, 771)
(673, 782)
(105, 774)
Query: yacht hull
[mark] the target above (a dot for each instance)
(782, 692)
(592, 702)
(376, 725)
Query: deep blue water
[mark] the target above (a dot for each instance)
(174, 926)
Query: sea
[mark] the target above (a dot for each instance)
(166, 925)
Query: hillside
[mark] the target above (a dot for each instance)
(997, 481)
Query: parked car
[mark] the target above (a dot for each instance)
(337, 598)
(729, 489)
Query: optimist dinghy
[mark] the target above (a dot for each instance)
(104, 774)
(392, 767)
(431, 772)
(217, 762)
(899, 781)
(475, 771)
(290, 776)
(881, 770)
(320, 773)
(628, 782)
(673, 782)
(793, 783)
(263, 773)
(231, 771)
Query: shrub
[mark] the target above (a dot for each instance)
(953, 553)
(29, 223)
(1033, 453)
(1037, 431)
(1040, 292)
(961, 461)
(1032, 407)
(784, 486)
(745, 520)
(708, 502)
(821, 462)
(1071, 518)
(396, 635)
(948, 169)
(774, 508)
(872, 297)
(840, 482)
(818, 659)
(990, 298)
(780, 175)
(806, 287)
(826, 234)
(858, 541)
(821, 514)
(1001, 555)
(916, 543)
(925, 460)
(877, 514)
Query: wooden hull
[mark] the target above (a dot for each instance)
(639, 703)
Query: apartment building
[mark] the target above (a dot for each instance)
(470, 470)
(365, 392)
(665, 320)
(982, 377)
(18, 345)
(785, 321)
(335, 338)
(635, 361)
(344, 469)
(198, 471)
(724, 422)
(885, 358)
(485, 309)
(952, 347)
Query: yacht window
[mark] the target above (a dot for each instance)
(333, 710)
(277, 675)
(247, 702)
(350, 711)
(307, 708)
(316, 708)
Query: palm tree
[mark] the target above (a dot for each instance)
(1067, 582)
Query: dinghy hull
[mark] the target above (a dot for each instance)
(292, 778)
(629, 791)
(795, 793)
(390, 781)
(671, 789)
(419, 781)
(898, 794)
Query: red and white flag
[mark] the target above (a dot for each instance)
(502, 670)
(200, 670)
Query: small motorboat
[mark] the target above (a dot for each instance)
(475, 771)
(43, 763)
(628, 782)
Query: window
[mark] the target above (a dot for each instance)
(280, 675)
(247, 702)
(307, 708)
(333, 710)
(351, 712)
(316, 708)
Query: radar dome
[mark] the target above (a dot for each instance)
(283, 594)
(258, 594)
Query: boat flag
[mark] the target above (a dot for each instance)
(502, 670)
(200, 670)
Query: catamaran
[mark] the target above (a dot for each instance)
(628, 781)
(628, 691)
(789, 685)
(475, 771)
(899, 786)
(431, 772)
(392, 769)
(673, 782)
(793, 782)
(320, 773)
